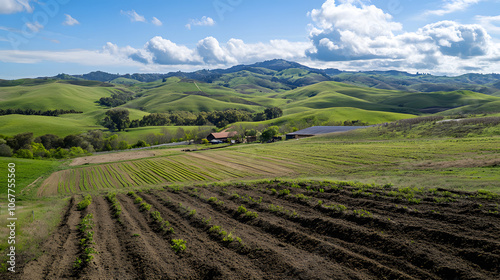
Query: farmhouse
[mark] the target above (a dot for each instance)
(318, 130)
(221, 136)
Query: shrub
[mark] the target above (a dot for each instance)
(212, 199)
(156, 216)
(137, 200)
(84, 203)
(241, 209)
(284, 192)
(145, 207)
(178, 245)
(251, 215)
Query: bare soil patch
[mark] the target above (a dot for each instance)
(112, 157)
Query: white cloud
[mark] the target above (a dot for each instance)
(70, 21)
(134, 17)
(451, 6)
(166, 52)
(15, 6)
(490, 23)
(361, 36)
(458, 40)
(204, 21)
(212, 53)
(82, 57)
(35, 27)
(348, 31)
(156, 22)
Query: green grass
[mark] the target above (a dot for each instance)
(300, 115)
(27, 171)
(31, 231)
(11, 125)
(54, 95)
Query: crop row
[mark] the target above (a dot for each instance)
(178, 245)
(115, 204)
(86, 232)
(206, 223)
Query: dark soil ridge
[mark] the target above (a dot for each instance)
(399, 239)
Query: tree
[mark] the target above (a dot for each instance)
(39, 150)
(140, 144)
(269, 133)
(73, 141)
(5, 150)
(21, 141)
(119, 117)
(273, 112)
(250, 132)
(23, 153)
(123, 145)
(50, 141)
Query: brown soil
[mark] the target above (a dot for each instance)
(112, 157)
(457, 239)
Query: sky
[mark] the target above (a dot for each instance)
(442, 37)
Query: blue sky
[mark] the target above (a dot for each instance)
(48, 37)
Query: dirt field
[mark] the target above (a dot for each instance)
(112, 157)
(316, 231)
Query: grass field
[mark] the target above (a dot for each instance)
(27, 172)
(463, 163)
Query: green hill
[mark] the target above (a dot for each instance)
(54, 95)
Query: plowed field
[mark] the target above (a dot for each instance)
(281, 230)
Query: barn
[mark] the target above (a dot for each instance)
(318, 130)
(221, 136)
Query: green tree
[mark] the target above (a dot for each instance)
(269, 133)
(23, 153)
(273, 112)
(123, 145)
(5, 150)
(21, 141)
(119, 117)
(39, 150)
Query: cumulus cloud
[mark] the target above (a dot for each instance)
(204, 21)
(453, 39)
(156, 22)
(212, 53)
(133, 16)
(70, 21)
(360, 35)
(451, 6)
(15, 6)
(166, 52)
(350, 31)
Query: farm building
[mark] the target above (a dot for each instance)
(318, 130)
(221, 136)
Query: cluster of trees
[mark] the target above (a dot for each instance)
(116, 99)
(118, 118)
(25, 145)
(52, 113)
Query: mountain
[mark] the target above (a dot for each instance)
(278, 74)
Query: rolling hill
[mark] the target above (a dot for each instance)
(305, 95)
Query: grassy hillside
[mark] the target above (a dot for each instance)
(54, 95)
(324, 102)
(333, 94)
(309, 117)
(40, 125)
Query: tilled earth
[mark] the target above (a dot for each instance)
(318, 230)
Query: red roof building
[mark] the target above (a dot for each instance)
(222, 136)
